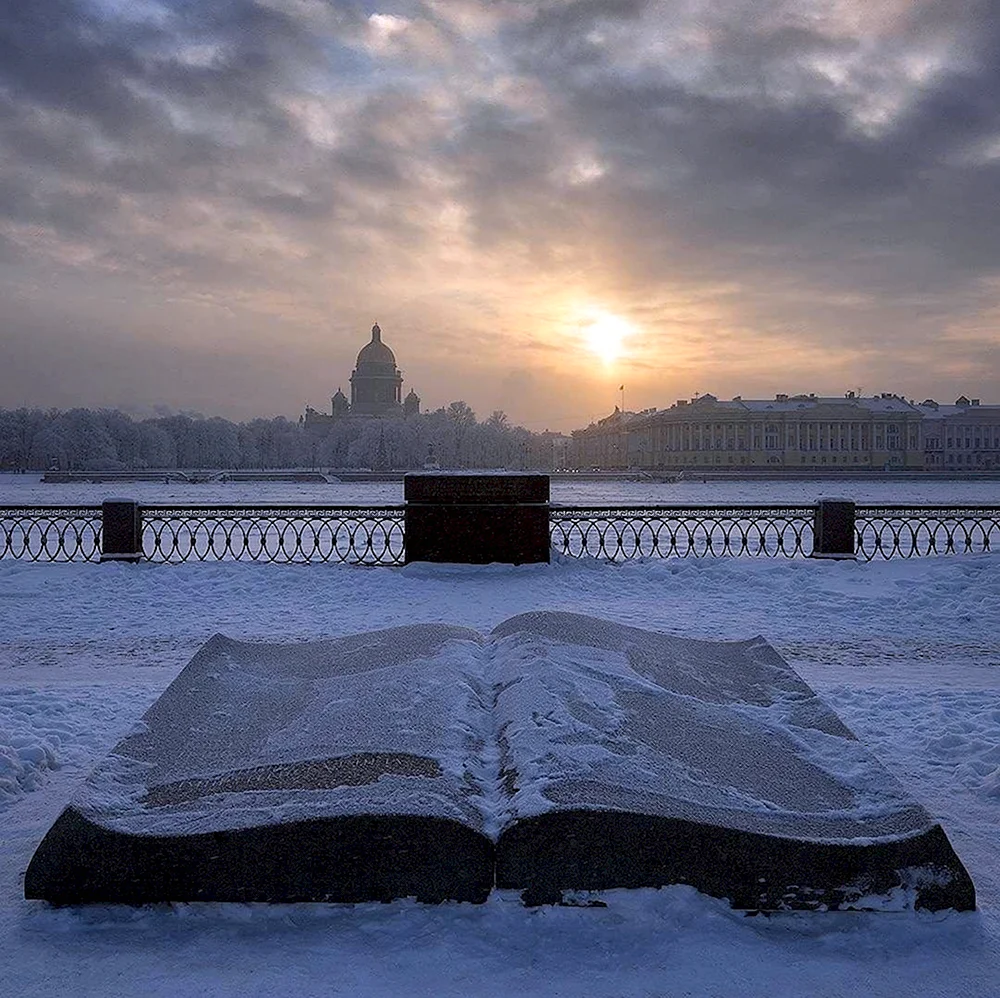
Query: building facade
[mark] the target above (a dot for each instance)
(603, 445)
(961, 437)
(797, 431)
(376, 388)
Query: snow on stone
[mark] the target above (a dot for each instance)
(597, 715)
(386, 722)
(583, 713)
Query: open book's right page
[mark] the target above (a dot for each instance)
(632, 758)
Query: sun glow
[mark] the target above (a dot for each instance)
(605, 334)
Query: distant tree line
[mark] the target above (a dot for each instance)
(109, 440)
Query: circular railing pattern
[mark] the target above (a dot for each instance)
(346, 534)
(50, 533)
(617, 534)
(374, 535)
(919, 531)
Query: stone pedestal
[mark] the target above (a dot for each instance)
(477, 519)
(121, 530)
(833, 529)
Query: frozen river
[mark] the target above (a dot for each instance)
(30, 490)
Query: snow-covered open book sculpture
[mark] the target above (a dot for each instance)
(559, 754)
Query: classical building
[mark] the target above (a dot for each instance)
(961, 437)
(376, 388)
(788, 431)
(603, 445)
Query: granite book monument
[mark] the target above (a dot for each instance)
(559, 754)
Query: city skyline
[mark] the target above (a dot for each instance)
(206, 207)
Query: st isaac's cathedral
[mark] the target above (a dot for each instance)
(376, 388)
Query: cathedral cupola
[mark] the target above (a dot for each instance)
(376, 388)
(376, 352)
(376, 384)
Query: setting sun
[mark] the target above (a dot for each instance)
(605, 335)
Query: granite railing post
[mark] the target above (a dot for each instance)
(476, 519)
(833, 529)
(121, 530)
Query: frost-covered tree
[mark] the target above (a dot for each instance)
(106, 439)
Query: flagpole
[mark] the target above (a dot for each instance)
(621, 388)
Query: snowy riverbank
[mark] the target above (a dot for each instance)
(907, 652)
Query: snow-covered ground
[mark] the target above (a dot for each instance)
(908, 653)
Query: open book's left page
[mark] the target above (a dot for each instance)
(334, 770)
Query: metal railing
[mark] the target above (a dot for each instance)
(374, 535)
(50, 533)
(918, 531)
(360, 535)
(620, 533)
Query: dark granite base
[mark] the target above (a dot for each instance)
(369, 858)
(477, 534)
(351, 859)
(586, 850)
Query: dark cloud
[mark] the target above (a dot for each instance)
(57, 55)
(758, 155)
(833, 167)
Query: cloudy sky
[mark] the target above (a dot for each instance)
(205, 204)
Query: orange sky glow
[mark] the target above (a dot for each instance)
(205, 208)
